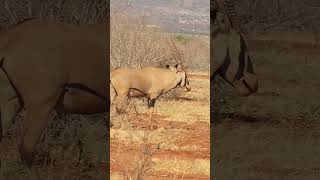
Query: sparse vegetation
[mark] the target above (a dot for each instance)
(182, 38)
(177, 137)
(78, 12)
(270, 15)
(274, 132)
(74, 146)
(135, 143)
(135, 45)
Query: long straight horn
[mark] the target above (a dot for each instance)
(232, 14)
(35, 8)
(221, 9)
(177, 54)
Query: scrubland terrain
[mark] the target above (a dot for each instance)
(273, 134)
(73, 147)
(175, 144)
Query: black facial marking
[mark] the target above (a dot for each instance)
(247, 86)
(179, 83)
(224, 67)
(241, 59)
(151, 103)
(213, 76)
(213, 15)
(250, 66)
(185, 80)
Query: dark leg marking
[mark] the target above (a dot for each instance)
(87, 89)
(151, 103)
(26, 156)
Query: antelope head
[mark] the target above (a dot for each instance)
(183, 81)
(179, 68)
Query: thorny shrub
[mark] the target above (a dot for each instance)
(134, 44)
(69, 11)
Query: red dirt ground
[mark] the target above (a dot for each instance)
(193, 135)
(197, 135)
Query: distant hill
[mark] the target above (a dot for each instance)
(185, 16)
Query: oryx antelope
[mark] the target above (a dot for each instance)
(49, 65)
(149, 82)
(230, 57)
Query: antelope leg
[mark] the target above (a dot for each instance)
(150, 113)
(9, 111)
(151, 108)
(122, 97)
(113, 95)
(35, 121)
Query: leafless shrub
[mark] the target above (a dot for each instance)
(196, 52)
(70, 11)
(75, 11)
(72, 141)
(134, 44)
(142, 165)
(262, 15)
(171, 94)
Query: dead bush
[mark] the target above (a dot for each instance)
(134, 44)
(196, 51)
(142, 165)
(69, 11)
(266, 15)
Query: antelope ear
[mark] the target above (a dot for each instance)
(179, 68)
(171, 68)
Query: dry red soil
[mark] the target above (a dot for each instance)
(195, 135)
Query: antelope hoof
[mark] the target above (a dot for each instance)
(26, 156)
